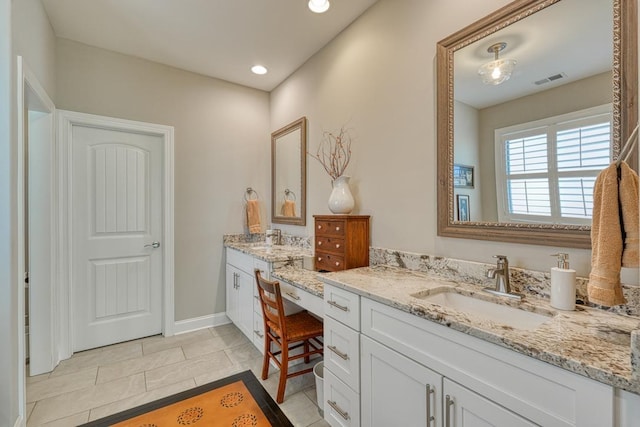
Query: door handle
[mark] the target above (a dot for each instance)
(154, 245)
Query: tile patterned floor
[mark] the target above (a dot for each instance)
(103, 381)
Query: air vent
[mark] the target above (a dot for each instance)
(550, 79)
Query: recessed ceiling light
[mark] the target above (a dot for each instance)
(259, 69)
(319, 6)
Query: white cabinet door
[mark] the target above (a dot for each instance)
(464, 408)
(397, 391)
(246, 283)
(232, 293)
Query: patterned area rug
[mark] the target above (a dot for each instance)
(235, 401)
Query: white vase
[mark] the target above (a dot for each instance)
(341, 200)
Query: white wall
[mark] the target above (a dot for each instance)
(379, 74)
(222, 146)
(467, 152)
(9, 410)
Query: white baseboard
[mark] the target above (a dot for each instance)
(19, 422)
(202, 322)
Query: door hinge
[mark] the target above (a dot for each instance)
(26, 277)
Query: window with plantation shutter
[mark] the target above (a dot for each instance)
(545, 170)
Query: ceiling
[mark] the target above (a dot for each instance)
(216, 38)
(549, 42)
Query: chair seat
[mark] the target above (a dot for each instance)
(299, 326)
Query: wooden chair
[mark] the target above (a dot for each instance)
(286, 332)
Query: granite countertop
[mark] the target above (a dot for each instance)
(274, 253)
(590, 342)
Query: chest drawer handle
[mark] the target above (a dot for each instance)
(337, 245)
(339, 410)
(319, 259)
(294, 296)
(337, 263)
(337, 228)
(319, 227)
(343, 356)
(338, 306)
(320, 243)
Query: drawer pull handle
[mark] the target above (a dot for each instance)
(342, 413)
(319, 227)
(256, 297)
(294, 296)
(447, 415)
(320, 243)
(319, 259)
(337, 263)
(337, 245)
(337, 228)
(343, 356)
(430, 417)
(258, 333)
(338, 306)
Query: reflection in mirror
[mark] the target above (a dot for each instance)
(288, 173)
(536, 139)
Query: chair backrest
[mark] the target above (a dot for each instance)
(271, 303)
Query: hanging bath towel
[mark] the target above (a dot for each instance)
(630, 222)
(253, 216)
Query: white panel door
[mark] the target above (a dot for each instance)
(117, 217)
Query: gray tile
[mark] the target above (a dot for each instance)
(37, 378)
(75, 402)
(125, 368)
(243, 352)
(30, 407)
(93, 359)
(140, 399)
(189, 368)
(213, 344)
(54, 386)
(159, 343)
(300, 410)
(224, 329)
(321, 423)
(72, 421)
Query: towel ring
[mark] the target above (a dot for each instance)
(250, 194)
(289, 193)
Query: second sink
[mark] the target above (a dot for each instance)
(486, 310)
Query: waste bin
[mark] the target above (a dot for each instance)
(318, 372)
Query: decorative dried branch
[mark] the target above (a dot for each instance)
(334, 152)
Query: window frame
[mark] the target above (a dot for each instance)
(550, 126)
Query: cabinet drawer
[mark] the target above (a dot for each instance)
(261, 265)
(329, 262)
(341, 404)
(330, 244)
(240, 260)
(342, 352)
(330, 227)
(342, 305)
(312, 303)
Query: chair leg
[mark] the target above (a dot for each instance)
(265, 362)
(284, 368)
(306, 350)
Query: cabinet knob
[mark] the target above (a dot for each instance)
(337, 228)
(319, 258)
(337, 263)
(319, 227)
(337, 245)
(320, 243)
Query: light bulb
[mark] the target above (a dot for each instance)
(259, 69)
(496, 73)
(319, 6)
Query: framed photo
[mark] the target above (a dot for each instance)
(463, 176)
(463, 207)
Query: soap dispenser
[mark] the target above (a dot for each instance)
(563, 284)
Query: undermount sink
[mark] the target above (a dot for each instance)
(487, 310)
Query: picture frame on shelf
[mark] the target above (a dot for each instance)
(463, 176)
(462, 201)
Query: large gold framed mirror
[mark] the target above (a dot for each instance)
(289, 174)
(517, 156)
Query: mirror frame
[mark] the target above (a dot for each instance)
(625, 115)
(301, 199)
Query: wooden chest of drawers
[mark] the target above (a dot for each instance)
(341, 242)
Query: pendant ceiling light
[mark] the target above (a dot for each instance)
(498, 70)
(319, 6)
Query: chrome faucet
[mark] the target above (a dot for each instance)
(501, 274)
(275, 235)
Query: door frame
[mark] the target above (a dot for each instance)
(33, 97)
(66, 121)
